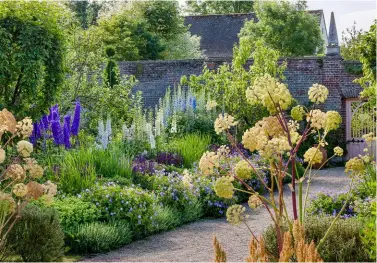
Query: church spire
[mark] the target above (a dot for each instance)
(333, 46)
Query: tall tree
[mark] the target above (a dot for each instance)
(349, 49)
(205, 7)
(32, 51)
(86, 12)
(284, 26)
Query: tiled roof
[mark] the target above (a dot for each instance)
(219, 33)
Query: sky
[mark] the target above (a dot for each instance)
(346, 13)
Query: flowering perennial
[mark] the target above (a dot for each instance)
(338, 151)
(332, 120)
(224, 187)
(224, 122)
(318, 93)
(313, 156)
(235, 214)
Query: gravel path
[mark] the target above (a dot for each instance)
(193, 242)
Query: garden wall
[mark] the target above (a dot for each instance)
(333, 72)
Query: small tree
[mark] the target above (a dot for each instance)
(219, 7)
(285, 27)
(351, 38)
(111, 74)
(32, 49)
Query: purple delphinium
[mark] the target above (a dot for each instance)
(142, 165)
(57, 133)
(76, 119)
(66, 131)
(36, 134)
(168, 158)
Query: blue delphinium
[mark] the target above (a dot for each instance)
(66, 131)
(76, 119)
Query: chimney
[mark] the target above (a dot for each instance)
(333, 43)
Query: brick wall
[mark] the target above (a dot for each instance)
(156, 76)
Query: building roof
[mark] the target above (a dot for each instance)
(219, 33)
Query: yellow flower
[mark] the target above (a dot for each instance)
(275, 146)
(297, 113)
(20, 190)
(25, 127)
(7, 203)
(208, 162)
(224, 122)
(243, 169)
(224, 187)
(211, 104)
(269, 92)
(254, 138)
(254, 201)
(235, 214)
(318, 93)
(317, 119)
(338, 151)
(369, 137)
(36, 171)
(223, 151)
(2, 155)
(15, 172)
(24, 148)
(355, 165)
(332, 120)
(187, 180)
(313, 156)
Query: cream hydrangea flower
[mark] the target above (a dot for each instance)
(25, 127)
(318, 93)
(270, 93)
(224, 187)
(7, 203)
(208, 162)
(20, 190)
(7, 121)
(34, 190)
(332, 120)
(355, 165)
(50, 188)
(313, 156)
(297, 113)
(243, 170)
(24, 148)
(254, 201)
(235, 214)
(2, 155)
(36, 171)
(15, 172)
(338, 151)
(211, 104)
(224, 122)
(187, 180)
(317, 119)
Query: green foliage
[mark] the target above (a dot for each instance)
(353, 68)
(77, 171)
(193, 211)
(166, 218)
(97, 237)
(133, 205)
(190, 147)
(367, 47)
(219, 7)
(32, 51)
(73, 211)
(111, 72)
(284, 26)
(37, 236)
(324, 204)
(349, 49)
(342, 245)
(368, 233)
(86, 12)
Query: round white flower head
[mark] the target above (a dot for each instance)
(15, 172)
(49, 188)
(275, 146)
(224, 122)
(211, 104)
(267, 91)
(24, 148)
(369, 137)
(25, 127)
(224, 187)
(254, 201)
(20, 190)
(332, 120)
(36, 171)
(313, 155)
(317, 119)
(2, 155)
(338, 151)
(208, 162)
(355, 165)
(318, 93)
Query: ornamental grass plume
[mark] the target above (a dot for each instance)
(257, 250)
(220, 255)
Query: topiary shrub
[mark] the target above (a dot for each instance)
(37, 236)
(342, 245)
(100, 237)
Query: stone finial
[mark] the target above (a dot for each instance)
(333, 43)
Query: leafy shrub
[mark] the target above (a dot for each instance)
(192, 211)
(191, 147)
(166, 218)
(342, 245)
(326, 204)
(37, 236)
(74, 211)
(131, 204)
(100, 237)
